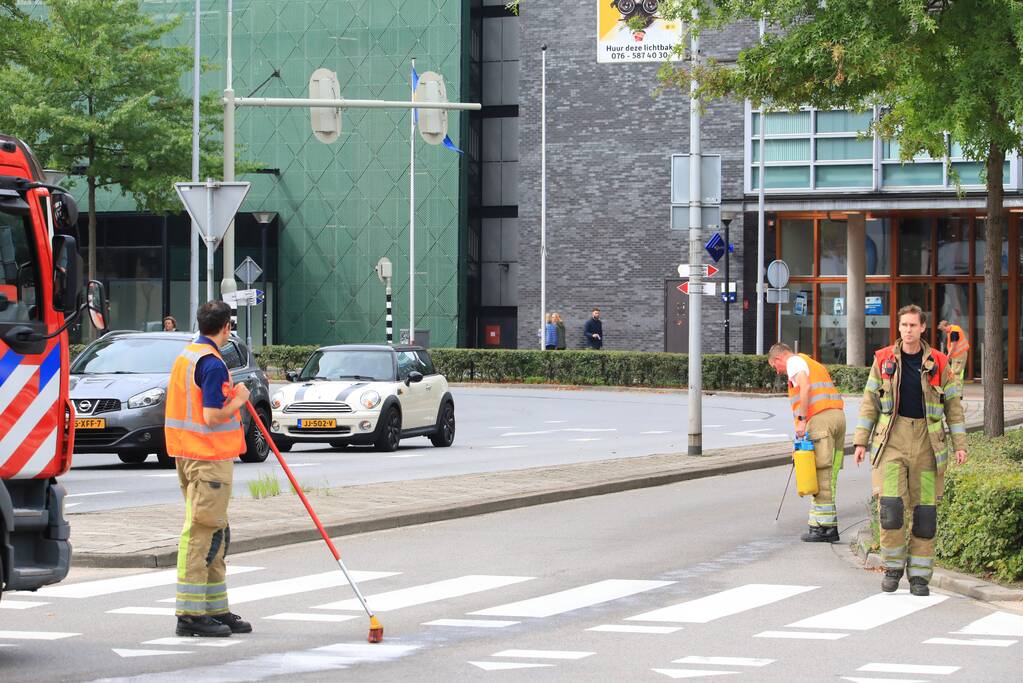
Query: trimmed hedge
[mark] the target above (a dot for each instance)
(595, 368)
(980, 519)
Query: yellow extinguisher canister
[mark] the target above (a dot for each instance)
(806, 467)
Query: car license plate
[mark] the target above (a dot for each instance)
(317, 424)
(90, 423)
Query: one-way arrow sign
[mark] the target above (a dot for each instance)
(703, 287)
(704, 270)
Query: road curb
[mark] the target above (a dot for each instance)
(166, 555)
(945, 579)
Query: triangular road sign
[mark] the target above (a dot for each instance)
(227, 197)
(684, 287)
(712, 270)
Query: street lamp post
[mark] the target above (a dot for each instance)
(264, 218)
(726, 219)
(543, 195)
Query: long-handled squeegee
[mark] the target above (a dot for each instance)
(376, 629)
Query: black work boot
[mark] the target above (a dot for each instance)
(821, 534)
(918, 586)
(234, 622)
(890, 582)
(203, 627)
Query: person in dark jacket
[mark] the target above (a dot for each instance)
(560, 325)
(594, 330)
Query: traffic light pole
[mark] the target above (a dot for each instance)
(695, 279)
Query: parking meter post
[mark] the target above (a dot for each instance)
(390, 314)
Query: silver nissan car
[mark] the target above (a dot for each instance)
(119, 385)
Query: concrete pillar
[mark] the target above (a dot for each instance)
(856, 285)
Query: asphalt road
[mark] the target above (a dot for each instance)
(497, 429)
(692, 580)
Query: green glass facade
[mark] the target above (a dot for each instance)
(343, 206)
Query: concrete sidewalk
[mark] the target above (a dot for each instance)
(148, 536)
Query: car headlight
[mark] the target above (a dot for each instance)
(147, 398)
(369, 399)
(277, 400)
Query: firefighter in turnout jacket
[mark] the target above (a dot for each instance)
(910, 390)
(818, 412)
(204, 435)
(957, 346)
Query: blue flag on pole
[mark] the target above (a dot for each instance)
(415, 114)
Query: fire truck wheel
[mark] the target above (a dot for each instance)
(133, 458)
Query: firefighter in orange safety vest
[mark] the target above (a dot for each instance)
(818, 412)
(957, 348)
(204, 434)
(911, 389)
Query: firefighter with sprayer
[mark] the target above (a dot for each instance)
(957, 347)
(817, 408)
(910, 389)
(204, 435)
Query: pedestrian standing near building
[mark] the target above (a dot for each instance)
(204, 434)
(560, 324)
(593, 330)
(957, 347)
(819, 414)
(550, 333)
(910, 389)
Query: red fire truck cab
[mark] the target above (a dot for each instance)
(40, 290)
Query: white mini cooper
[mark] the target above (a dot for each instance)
(364, 394)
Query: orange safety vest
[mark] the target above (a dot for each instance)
(823, 394)
(185, 429)
(960, 347)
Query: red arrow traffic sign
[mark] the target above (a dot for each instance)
(684, 287)
(712, 271)
(703, 287)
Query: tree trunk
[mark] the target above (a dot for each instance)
(992, 367)
(88, 330)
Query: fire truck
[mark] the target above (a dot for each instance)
(41, 295)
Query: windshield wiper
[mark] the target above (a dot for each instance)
(358, 377)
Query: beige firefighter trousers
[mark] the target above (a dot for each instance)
(206, 487)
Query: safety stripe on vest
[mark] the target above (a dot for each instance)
(200, 428)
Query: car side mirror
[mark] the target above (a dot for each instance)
(99, 307)
(291, 376)
(65, 274)
(414, 377)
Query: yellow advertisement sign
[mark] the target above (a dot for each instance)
(633, 31)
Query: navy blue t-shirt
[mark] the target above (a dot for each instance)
(210, 375)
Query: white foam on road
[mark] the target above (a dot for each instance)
(723, 604)
(471, 623)
(801, 635)
(429, 592)
(499, 448)
(854, 679)
(198, 642)
(299, 584)
(871, 612)
(996, 624)
(126, 653)
(895, 668)
(635, 628)
(93, 493)
(691, 673)
(123, 584)
(572, 599)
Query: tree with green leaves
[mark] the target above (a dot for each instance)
(101, 97)
(941, 71)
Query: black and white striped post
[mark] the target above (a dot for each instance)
(384, 271)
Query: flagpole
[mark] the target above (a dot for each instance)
(412, 221)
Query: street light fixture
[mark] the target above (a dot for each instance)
(726, 219)
(264, 218)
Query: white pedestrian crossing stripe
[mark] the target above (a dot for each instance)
(503, 666)
(300, 616)
(801, 635)
(199, 642)
(7, 603)
(300, 584)
(430, 592)
(996, 624)
(144, 611)
(36, 635)
(471, 623)
(871, 612)
(724, 661)
(975, 642)
(855, 679)
(544, 654)
(895, 668)
(572, 599)
(635, 628)
(126, 653)
(123, 584)
(692, 673)
(723, 604)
